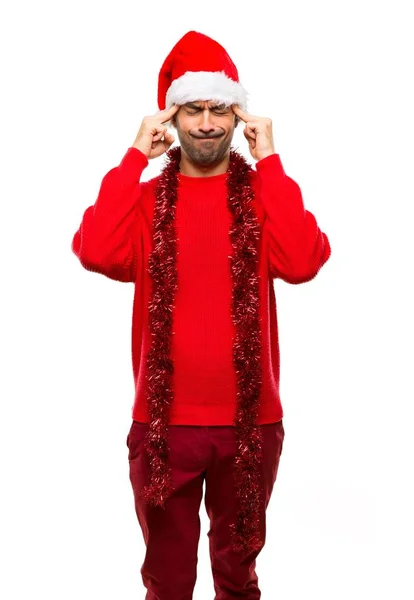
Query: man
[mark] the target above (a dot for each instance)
(202, 243)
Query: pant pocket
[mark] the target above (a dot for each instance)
(135, 438)
(282, 435)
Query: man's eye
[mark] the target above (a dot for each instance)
(193, 111)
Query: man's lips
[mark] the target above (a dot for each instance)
(212, 137)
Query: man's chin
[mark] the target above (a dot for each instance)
(204, 160)
(205, 156)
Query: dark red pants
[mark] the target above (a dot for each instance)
(171, 534)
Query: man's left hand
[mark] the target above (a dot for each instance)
(258, 132)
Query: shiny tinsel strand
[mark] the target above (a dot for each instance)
(244, 233)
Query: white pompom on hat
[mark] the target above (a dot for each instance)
(199, 68)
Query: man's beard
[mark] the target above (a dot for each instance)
(204, 152)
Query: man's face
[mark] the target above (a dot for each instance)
(205, 129)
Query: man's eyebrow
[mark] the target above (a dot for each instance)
(194, 105)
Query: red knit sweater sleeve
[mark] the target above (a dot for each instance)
(106, 241)
(297, 247)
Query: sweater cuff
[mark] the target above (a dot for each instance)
(132, 165)
(271, 163)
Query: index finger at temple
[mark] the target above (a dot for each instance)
(167, 113)
(239, 112)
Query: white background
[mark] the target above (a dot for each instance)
(336, 79)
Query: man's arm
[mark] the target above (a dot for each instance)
(107, 239)
(297, 247)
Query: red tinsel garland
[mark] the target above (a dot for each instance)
(244, 233)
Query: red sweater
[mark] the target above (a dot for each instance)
(115, 239)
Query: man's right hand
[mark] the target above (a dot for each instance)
(149, 136)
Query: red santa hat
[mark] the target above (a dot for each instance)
(199, 68)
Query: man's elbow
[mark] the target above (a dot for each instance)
(301, 271)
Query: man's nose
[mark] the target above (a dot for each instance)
(206, 124)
